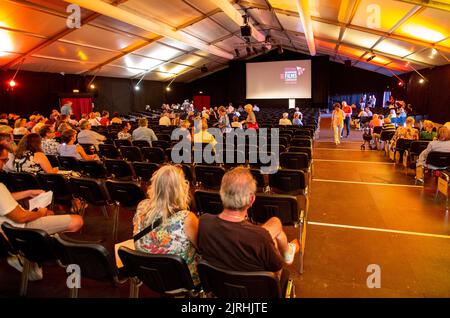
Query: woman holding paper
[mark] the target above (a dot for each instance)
(30, 157)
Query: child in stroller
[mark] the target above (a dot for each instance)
(367, 136)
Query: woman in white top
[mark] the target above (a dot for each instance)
(285, 120)
(19, 127)
(337, 122)
(69, 149)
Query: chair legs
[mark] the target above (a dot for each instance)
(73, 292)
(134, 287)
(116, 222)
(24, 277)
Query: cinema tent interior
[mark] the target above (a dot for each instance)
(327, 121)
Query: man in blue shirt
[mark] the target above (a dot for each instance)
(66, 109)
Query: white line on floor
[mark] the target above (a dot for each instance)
(356, 161)
(379, 230)
(369, 183)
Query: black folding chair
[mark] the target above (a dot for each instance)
(153, 154)
(119, 169)
(122, 142)
(68, 163)
(208, 202)
(32, 245)
(284, 207)
(307, 150)
(209, 176)
(59, 185)
(141, 143)
(126, 194)
(161, 144)
(131, 153)
(108, 151)
(88, 148)
(144, 170)
(53, 160)
(94, 260)
(301, 142)
(92, 191)
(233, 284)
(261, 182)
(21, 181)
(92, 169)
(165, 274)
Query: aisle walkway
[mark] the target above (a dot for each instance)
(364, 210)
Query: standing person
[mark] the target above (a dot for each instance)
(229, 241)
(66, 109)
(251, 118)
(224, 120)
(348, 116)
(337, 122)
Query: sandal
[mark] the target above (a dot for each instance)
(293, 249)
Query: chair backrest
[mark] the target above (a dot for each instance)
(141, 143)
(232, 284)
(94, 260)
(88, 148)
(439, 159)
(127, 193)
(208, 202)
(108, 151)
(144, 170)
(259, 177)
(306, 150)
(377, 130)
(285, 207)
(131, 153)
(153, 154)
(68, 163)
(122, 142)
(21, 181)
(386, 135)
(56, 183)
(403, 144)
(301, 142)
(89, 189)
(417, 146)
(161, 273)
(93, 168)
(119, 169)
(161, 144)
(294, 160)
(53, 160)
(209, 176)
(35, 245)
(288, 180)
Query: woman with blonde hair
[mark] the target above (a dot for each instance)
(19, 127)
(163, 223)
(251, 118)
(427, 133)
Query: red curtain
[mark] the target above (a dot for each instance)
(80, 105)
(201, 101)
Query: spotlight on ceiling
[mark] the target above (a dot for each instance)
(92, 86)
(434, 51)
(371, 58)
(280, 50)
(168, 88)
(137, 88)
(236, 51)
(421, 81)
(400, 83)
(76, 90)
(12, 83)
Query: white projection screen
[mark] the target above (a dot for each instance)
(281, 80)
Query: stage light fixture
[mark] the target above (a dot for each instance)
(137, 88)
(371, 58)
(168, 88)
(12, 83)
(421, 81)
(434, 51)
(92, 86)
(400, 83)
(76, 90)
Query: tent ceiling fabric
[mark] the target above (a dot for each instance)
(189, 34)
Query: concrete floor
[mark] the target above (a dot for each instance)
(364, 210)
(393, 220)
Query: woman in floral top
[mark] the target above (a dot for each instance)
(124, 132)
(177, 232)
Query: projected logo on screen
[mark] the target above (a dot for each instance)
(291, 74)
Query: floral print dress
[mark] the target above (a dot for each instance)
(168, 238)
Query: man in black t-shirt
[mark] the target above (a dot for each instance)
(231, 242)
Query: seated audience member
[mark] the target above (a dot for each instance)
(4, 119)
(167, 225)
(205, 113)
(236, 123)
(297, 120)
(388, 126)
(185, 131)
(40, 122)
(116, 119)
(7, 142)
(124, 131)
(441, 144)
(93, 120)
(428, 132)
(30, 158)
(164, 120)
(255, 108)
(104, 121)
(49, 144)
(407, 132)
(285, 121)
(69, 149)
(368, 111)
(375, 122)
(143, 132)
(176, 120)
(43, 219)
(447, 124)
(392, 114)
(88, 136)
(203, 135)
(30, 124)
(229, 241)
(61, 128)
(19, 127)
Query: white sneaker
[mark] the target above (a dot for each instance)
(35, 271)
(14, 261)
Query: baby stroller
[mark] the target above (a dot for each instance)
(367, 137)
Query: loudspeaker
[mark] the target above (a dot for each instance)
(348, 63)
(246, 30)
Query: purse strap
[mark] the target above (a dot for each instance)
(147, 230)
